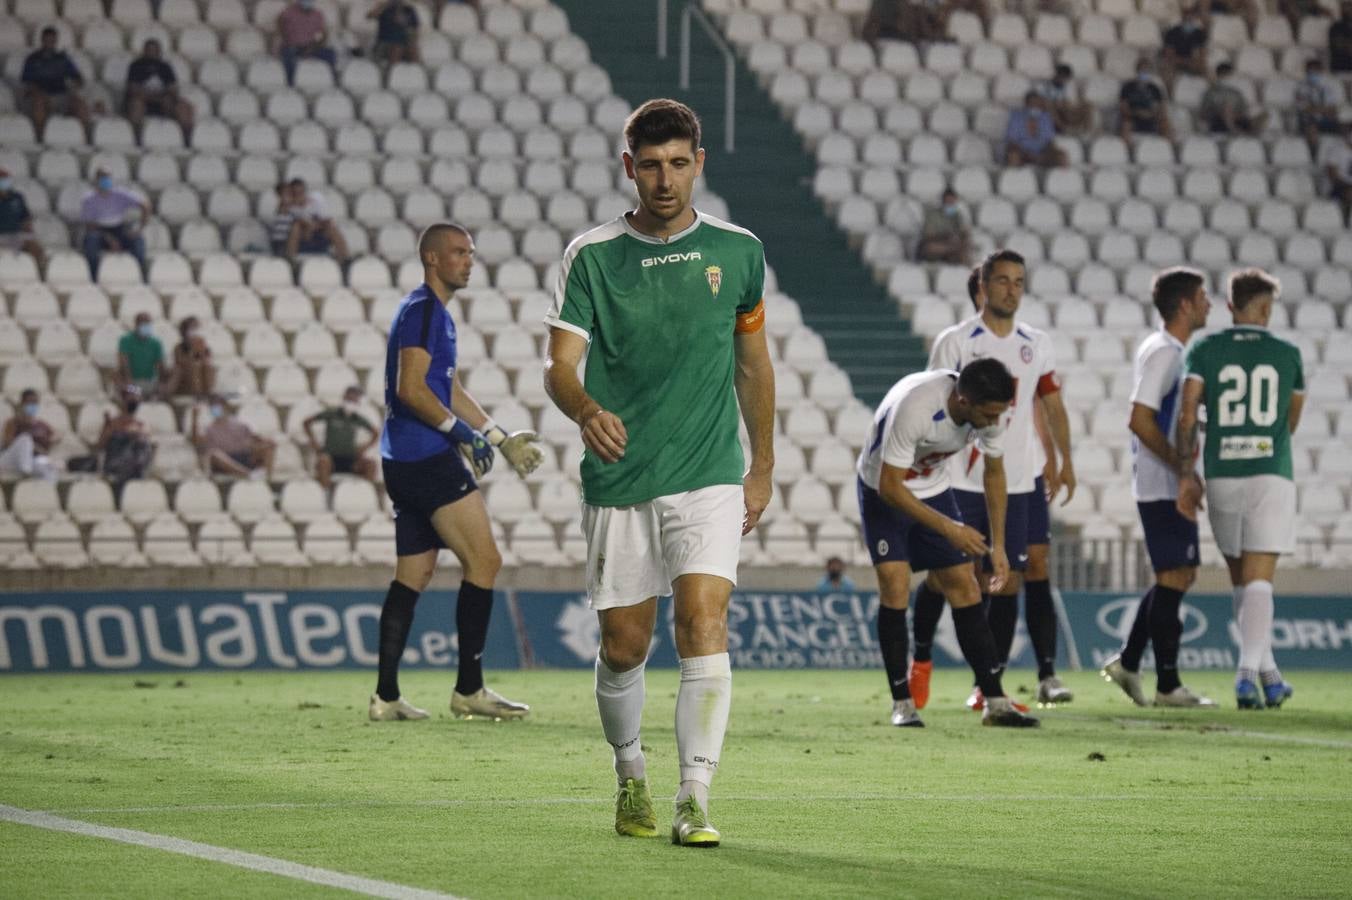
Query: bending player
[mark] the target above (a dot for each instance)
(1253, 387)
(912, 522)
(1171, 540)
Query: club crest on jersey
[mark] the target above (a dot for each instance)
(1026, 353)
(714, 275)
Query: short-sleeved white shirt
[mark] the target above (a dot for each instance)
(1028, 355)
(315, 209)
(912, 430)
(1157, 384)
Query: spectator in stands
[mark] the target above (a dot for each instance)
(1245, 9)
(26, 441)
(193, 374)
(124, 444)
(1185, 47)
(229, 446)
(835, 581)
(1316, 104)
(1295, 10)
(16, 222)
(152, 90)
(1030, 136)
(140, 359)
(104, 214)
(1071, 116)
(1340, 41)
(944, 235)
(1225, 109)
(396, 30)
(279, 229)
(1338, 167)
(51, 84)
(339, 451)
(901, 20)
(312, 229)
(302, 33)
(1141, 106)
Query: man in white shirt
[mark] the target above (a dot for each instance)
(912, 524)
(1171, 539)
(1027, 353)
(312, 228)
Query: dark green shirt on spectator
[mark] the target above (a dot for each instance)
(144, 355)
(340, 431)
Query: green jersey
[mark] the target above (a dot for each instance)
(1249, 375)
(660, 318)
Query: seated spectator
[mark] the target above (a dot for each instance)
(1225, 110)
(1070, 115)
(152, 90)
(51, 84)
(1317, 104)
(1185, 47)
(124, 444)
(835, 581)
(229, 446)
(312, 229)
(193, 374)
(1030, 136)
(1340, 40)
(1338, 167)
(914, 21)
(279, 229)
(104, 214)
(944, 235)
(26, 441)
(1245, 9)
(302, 33)
(1295, 10)
(16, 222)
(1141, 106)
(396, 31)
(339, 452)
(140, 359)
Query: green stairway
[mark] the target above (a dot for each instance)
(767, 183)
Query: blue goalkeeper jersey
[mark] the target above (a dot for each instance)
(421, 321)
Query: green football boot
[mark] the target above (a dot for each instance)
(634, 816)
(691, 827)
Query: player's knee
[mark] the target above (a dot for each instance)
(624, 650)
(483, 567)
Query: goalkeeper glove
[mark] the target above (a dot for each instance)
(478, 452)
(518, 448)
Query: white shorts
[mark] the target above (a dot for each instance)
(636, 552)
(1255, 514)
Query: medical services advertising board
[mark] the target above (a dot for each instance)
(184, 630)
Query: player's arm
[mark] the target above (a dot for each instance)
(997, 503)
(754, 380)
(1044, 436)
(892, 488)
(412, 390)
(1294, 411)
(464, 406)
(1058, 423)
(602, 431)
(1147, 431)
(309, 426)
(1185, 448)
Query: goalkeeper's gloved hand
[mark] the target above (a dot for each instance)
(518, 448)
(477, 450)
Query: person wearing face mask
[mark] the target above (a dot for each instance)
(944, 235)
(51, 84)
(1141, 106)
(124, 443)
(302, 33)
(152, 90)
(1317, 104)
(26, 441)
(1225, 110)
(193, 374)
(1185, 47)
(103, 212)
(228, 446)
(339, 451)
(1071, 116)
(835, 581)
(16, 222)
(140, 358)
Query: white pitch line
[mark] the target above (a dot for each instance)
(251, 861)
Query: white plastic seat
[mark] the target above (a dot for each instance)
(285, 383)
(57, 543)
(354, 500)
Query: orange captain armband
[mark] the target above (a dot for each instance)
(752, 321)
(1048, 384)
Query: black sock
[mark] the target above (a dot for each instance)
(396, 617)
(929, 607)
(892, 641)
(1165, 633)
(978, 647)
(1004, 618)
(1040, 613)
(1139, 635)
(472, 608)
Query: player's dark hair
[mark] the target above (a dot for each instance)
(1248, 284)
(661, 120)
(988, 264)
(986, 381)
(28, 392)
(974, 287)
(1171, 287)
(432, 235)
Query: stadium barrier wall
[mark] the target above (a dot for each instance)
(201, 630)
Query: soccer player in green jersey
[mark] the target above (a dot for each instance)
(1253, 387)
(665, 303)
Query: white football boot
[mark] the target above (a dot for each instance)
(397, 710)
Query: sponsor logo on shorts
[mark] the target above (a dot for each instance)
(1246, 446)
(671, 258)
(882, 548)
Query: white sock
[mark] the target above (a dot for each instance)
(702, 705)
(619, 699)
(1255, 624)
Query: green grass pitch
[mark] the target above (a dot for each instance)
(817, 795)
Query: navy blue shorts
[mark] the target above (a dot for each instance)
(1039, 518)
(973, 508)
(418, 489)
(892, 536)
(1170, 539)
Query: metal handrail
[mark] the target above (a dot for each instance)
(692, 11)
